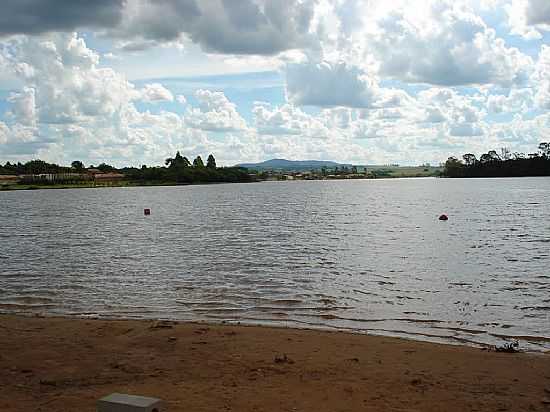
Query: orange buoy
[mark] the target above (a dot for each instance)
(146, 212)
(443, 217)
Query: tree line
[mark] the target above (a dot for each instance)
(502, 163)
(34, 167)
(180, 170)
(176, 170)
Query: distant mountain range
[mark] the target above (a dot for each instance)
(283, 164)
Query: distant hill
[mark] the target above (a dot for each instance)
(283, 164)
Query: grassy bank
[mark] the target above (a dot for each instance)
(405, 171)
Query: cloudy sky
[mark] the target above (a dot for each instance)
(362, 81)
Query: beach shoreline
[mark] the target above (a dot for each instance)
(66, 364)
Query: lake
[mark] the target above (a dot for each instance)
(366, 256)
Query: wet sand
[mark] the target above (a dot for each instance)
(54, 364)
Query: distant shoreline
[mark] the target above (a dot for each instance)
(27, 187)
(18, 186)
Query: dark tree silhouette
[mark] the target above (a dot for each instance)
(211, 162)
(77, 164)
(198, 162)
(178, 171)
(106, 168)
(177, 161)
(491, 164)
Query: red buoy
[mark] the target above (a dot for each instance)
(443, 217)
(146, 212)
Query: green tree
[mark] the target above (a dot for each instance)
(453, 167)
(198, 162)
(78, 165)
(36, 166)
(177, 161)
(211, 162)
(106, 168)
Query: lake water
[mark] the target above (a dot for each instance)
(367, 256)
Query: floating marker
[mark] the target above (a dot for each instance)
(146, 212)
(443, 217)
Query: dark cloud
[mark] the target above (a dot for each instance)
(279, 25)
(157, 21)
(262, 27)
(39, 16)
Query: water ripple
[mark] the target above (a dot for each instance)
(366, 256)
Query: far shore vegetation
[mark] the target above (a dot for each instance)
(179, 170)
(502, 163)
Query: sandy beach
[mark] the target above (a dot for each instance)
(59, 364)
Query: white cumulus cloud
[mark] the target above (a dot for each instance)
(541, 79)
(328, 84)
(215, 113)
(448, 45)
(156, 92)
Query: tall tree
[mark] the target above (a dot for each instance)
(177, 161)
(211, 162)
(78, 165)
(198, 162)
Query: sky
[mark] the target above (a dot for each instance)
(130, 82)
